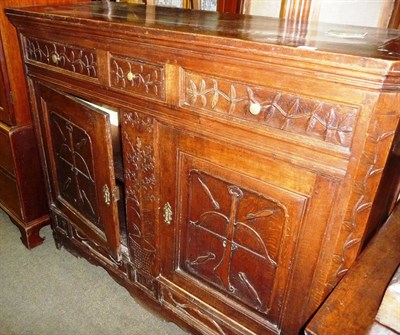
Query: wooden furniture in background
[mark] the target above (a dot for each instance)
(22, 194)
(394, 15)
(352, 306)
(229, 169)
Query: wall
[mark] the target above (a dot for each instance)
(373, 13)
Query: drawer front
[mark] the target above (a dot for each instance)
(138, 77)
(321, 120)
(9, 193)
(6, 159)
(67, 57)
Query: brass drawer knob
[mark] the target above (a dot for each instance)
(55, 58)
(130, 76)
(255, 108)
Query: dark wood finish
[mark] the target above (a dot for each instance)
(229, 6)
(364, 285)
(5, 108)
(394, 21)
(6, 158)
(248, 153)
(22, 191)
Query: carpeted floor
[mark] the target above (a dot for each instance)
(47, 291)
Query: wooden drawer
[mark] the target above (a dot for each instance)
(321, 120)
(6, 159)
(71, 58)
(9, 193)
(138, 77)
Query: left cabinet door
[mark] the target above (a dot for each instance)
(77, 143)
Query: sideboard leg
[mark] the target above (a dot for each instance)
(30, 235)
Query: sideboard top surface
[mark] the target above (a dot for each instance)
(364, 47)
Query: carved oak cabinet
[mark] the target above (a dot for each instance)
(227, 168)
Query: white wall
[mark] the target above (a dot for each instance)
(355, 12)
(265, 7)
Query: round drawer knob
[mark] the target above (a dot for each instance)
(55, 58)
(255, 108)
(130, 76)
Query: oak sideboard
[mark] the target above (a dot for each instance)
(227, 168)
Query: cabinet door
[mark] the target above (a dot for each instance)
(5, 115)
(232, 218)
(78, 148)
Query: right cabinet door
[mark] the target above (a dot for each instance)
(231, 221)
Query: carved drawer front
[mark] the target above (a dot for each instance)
(324, 121)
(71, 58)
(138, 77)
(6, 159)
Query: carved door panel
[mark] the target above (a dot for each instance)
(5, 113)
(78, 148)
(229, 232)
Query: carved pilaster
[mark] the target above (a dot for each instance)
(141, 194)
(368, 175)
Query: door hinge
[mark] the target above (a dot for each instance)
(167, 213)
(108, 196)
(116, 194)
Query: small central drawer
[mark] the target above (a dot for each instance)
(75, 59)
(138, 77)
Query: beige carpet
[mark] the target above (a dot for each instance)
(47, 291)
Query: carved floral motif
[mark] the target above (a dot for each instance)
(71, 58)
(371, 166)
(325, 121)
(142, 78)
(141, 194)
